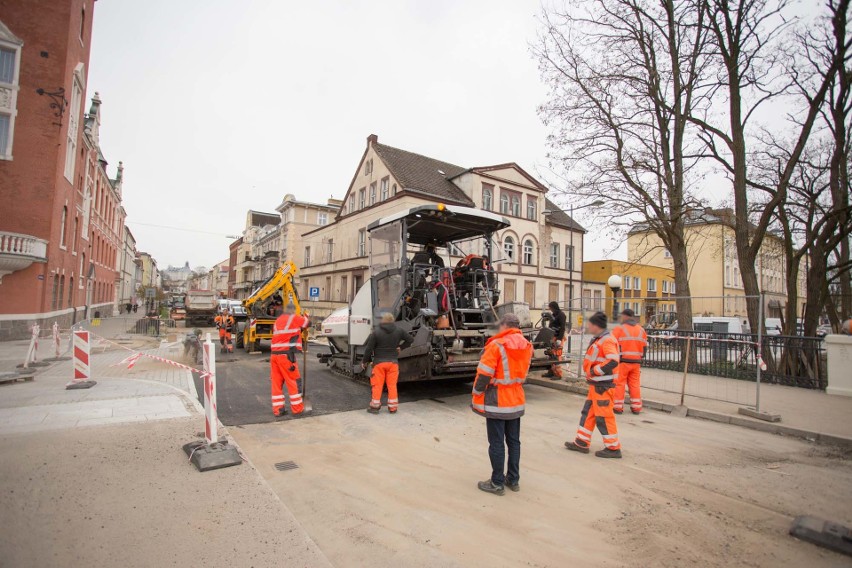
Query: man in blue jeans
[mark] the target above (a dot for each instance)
(498, 394)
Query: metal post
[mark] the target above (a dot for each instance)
(685, 368)
(759, 352)
(570, 282)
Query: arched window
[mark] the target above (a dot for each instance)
(509, 248)
(528, 251)
(531, 208)
(487, 197)
(62, 227)
(504, 203)
(71, 292)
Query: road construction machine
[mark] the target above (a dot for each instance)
(260, 307)
(450, 311)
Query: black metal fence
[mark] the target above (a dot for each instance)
(790, 360)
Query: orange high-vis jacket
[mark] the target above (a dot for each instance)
(287, 333)
(632, 341)
(224, 322)
(601, 360)
(498, 391)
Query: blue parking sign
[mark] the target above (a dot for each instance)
(314, 293)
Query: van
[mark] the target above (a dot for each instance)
(773, 326)
(720, 324)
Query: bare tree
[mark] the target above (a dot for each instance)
(624, 80)
(747, 36)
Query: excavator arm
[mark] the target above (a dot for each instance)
(281, 280)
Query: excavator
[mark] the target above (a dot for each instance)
(278, 289)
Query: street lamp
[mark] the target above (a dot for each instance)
(614, 283)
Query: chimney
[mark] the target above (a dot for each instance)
(372, 139)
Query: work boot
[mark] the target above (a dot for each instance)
(548, 375)
(607, 453)
(575, 447)
(618, 411)
(514, 486)
(489, 487)
(392, 410)
(281, 413)
(372, 410)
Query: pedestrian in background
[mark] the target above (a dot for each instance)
(382, 349)
(600, 366)
(284, 366)
(557, 324)
(632, 342)
(498, 395)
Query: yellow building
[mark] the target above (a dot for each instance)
(647, 290)
(714, 272)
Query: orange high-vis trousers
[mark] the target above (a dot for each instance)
(598, 411)
(385, 373)
(628, 376)
(285, 372)
(556, 353)
(225, 339)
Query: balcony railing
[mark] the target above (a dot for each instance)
(18, 251)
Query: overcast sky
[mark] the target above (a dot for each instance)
(216, 107)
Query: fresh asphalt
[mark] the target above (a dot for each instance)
(243, 389)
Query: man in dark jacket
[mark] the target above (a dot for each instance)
(382, 349)
(557, 324)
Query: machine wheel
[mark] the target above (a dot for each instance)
(238, 340)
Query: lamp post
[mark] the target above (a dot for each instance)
(614, 282)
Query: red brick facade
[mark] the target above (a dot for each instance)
(36, 197)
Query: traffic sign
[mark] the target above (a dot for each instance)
(313, 292)
(150, 292)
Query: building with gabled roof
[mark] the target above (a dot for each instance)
(540, 254)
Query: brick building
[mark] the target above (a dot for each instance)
(45, 170)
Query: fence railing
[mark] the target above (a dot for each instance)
(791, 361)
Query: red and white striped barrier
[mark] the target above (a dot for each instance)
(82, 368)
(56, 339)
(211, 420)
(32, 351)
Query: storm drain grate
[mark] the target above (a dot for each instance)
(284, 466)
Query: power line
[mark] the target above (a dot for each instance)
(176, 228)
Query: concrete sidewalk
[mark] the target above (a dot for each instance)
(98, 476)
(807, 410)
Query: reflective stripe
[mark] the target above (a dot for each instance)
(506, 381)
(374, 401)
(280, 331)
(485, 369)
(631, 353)
(390, 400)
(609, 436)
(612, 356)
(278, 397)
(586, 430)
(603, 379)
(584, 437)
(498, 409)
(505, 357)
(279, 403)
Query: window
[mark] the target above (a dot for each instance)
(532, 207)
(504, 203)
(652, 284)
(82, 24)
(373, 193)
(71, 292)
(8, 102)
(73, 124)
(516, 205)
(666, 253)
(55, 292)
(74, 236)
(665, 286)
(598, 304)
(569, 257)
(368, 167)
(322, 218)
(307, 256)
(509, 248)
(362, 242)
(393, 190)
(384, 188)
(637, 283)
(352, 203)
(528, 251)
(329, 251)
(554, 255)
(362, 197)
(487, 197)
(627, 283)
(672, 287)
(61, 292)
(62, 227)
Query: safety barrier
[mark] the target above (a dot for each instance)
(82, 368)
(211, 420)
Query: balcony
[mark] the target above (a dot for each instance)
(18, 251)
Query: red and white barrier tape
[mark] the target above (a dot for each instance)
(134, 356)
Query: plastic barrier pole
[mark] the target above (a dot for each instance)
(82, 367)
(211, 428)
(56, 339)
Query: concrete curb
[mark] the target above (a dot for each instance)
(760, 425)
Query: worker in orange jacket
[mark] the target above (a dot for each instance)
(632, 342)
(382, 349)
(498, 395)
(225, 322)
(600, 366)
(286, 345)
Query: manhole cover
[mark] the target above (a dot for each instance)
(284, 466)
